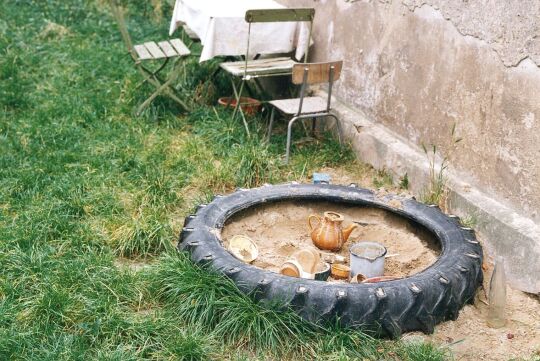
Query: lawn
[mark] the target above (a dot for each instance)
(92, 200)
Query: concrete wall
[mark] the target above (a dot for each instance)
(417, 67)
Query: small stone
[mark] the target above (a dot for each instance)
(509, 336)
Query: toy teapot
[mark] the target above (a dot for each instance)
(328, 233)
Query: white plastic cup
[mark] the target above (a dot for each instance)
(367, 258)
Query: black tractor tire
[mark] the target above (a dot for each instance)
(389, 308)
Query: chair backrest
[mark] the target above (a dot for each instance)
(118, 13)
(316, 73)
(279, 15)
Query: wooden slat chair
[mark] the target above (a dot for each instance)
(151, 52)
(308, 107)
(249, 69)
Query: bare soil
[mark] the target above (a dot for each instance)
(470, 338)
(281, 229)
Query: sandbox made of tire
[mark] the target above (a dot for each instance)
(416, 302)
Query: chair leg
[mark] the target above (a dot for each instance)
(161, 87)
(238, 107)
(338, 125)
(159, 90)
(271, 124)
(289, 134)
(149, 100)
(238, 95)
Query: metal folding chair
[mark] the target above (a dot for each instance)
(308, 107)
(151, 52)
(249, 69)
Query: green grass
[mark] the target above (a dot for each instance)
(92, 200)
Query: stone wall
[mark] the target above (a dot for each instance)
(420, 66)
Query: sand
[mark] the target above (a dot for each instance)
(469, 337)
(280, 229)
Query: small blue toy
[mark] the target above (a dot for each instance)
(321, 178)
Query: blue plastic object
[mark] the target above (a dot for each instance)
(321, 178)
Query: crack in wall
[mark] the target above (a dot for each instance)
(511, 30)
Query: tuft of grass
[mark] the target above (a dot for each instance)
(469, 221)
(437, 190)
(204, 299)
(422, 351)
(142, 235)
(404, 182)
(189, 345)
(382, 179)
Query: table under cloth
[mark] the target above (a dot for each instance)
(223, 31)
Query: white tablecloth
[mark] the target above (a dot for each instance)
(221, 26)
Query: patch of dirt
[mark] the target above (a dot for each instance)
(134, 265)
(53, 30)
(470, 338)
(280, 229)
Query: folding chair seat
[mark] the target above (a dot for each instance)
(165, 49)
(268, 67)
(150, 52)
(278, 66)
(308, 107)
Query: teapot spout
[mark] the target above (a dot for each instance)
(347, 231)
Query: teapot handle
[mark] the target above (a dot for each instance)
(310, 218)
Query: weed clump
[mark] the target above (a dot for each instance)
(436, 191)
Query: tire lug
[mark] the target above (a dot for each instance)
(379, 292)
(188, 219)
(414, 288)
(184, 233)
(232, 271)
(443, 280)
